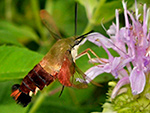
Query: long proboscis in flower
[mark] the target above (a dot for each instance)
(80, 38)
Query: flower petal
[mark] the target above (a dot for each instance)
(123, 81)
(115, 62)
(137, 80)
(107, 68)
(112, 30)
(124, 62)
(93, 72)
(99, 39)
(125, 14)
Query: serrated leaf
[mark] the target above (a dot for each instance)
(21, 33)
(16, 62)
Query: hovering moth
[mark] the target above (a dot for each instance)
(58, 63)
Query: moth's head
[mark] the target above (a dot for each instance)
(77, 43)
(79, 39)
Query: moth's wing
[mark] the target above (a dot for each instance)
(78, 75)
(66, 71)
(84, 78)
(69, 72)
(50, 24)
(66, 75)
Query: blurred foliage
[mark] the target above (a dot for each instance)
(24, 40)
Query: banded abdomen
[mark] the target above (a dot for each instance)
(35, 80)
(58, 64)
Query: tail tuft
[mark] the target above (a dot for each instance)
(19, 96)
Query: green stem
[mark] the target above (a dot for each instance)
(98, 8)
(88, 28)
(40, 99)
(8, 9)
(38, 23)
(94, 18)
(37, 103)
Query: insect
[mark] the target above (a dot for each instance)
(58, 63)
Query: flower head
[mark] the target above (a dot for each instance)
(132, 43)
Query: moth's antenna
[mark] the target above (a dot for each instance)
(76, 11)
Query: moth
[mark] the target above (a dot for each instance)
(58, 63)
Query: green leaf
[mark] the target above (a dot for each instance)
(7, 38)
(107, 11)
(89, 5)
(104, 12)
(63, 14)
(21, 33)
(71, 101)
(16, 62)
(7, 104)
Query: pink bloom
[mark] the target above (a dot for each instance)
(132, 43)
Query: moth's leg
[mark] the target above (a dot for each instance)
(84, 83)
(85, 52)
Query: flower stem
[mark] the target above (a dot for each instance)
(38, 102)
(88, 27)
(95, 15)
(97, 11)
(36, 10)
(8, 9)
(40, 99)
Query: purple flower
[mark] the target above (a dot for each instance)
(132, 43)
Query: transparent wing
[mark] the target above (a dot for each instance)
(85, 79)
(79, 74)
(50, 24)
